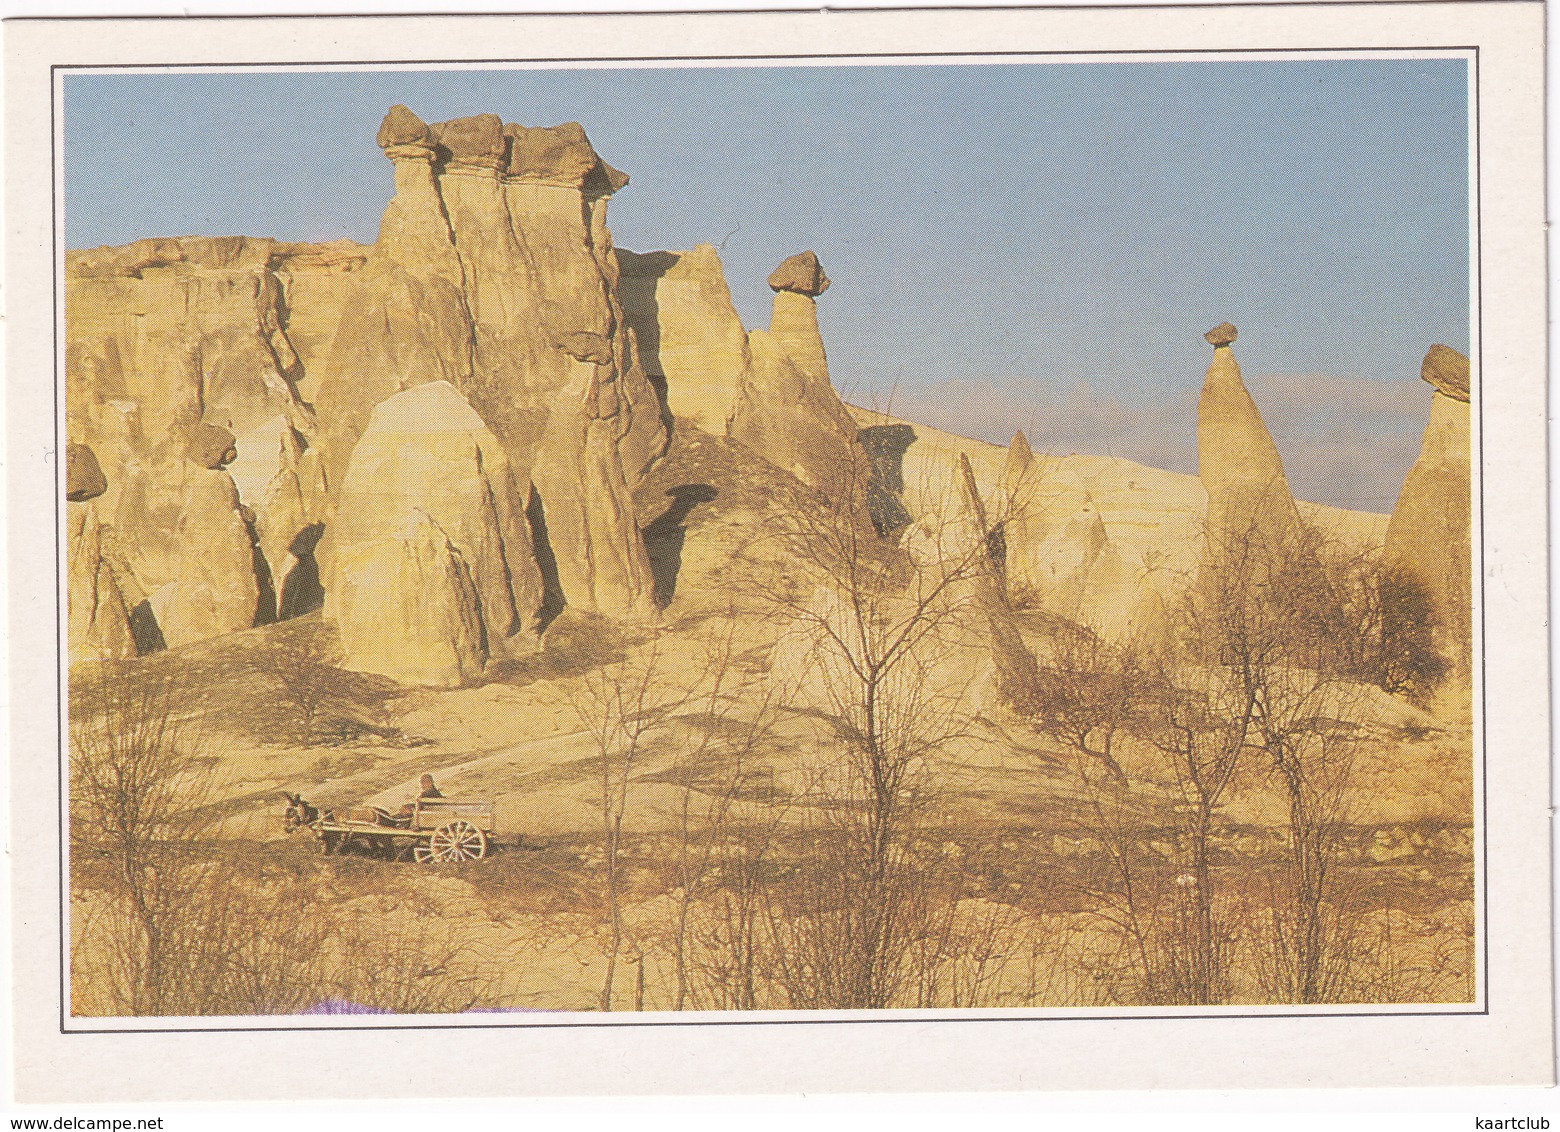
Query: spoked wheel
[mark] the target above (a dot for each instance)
(457, 841)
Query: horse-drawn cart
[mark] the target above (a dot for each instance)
(436, 829)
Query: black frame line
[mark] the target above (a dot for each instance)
(1475, 233)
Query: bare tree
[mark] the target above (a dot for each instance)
(139, 786)
(718, 773)
(1278, 628)
(312, 698)
(878, 637)
(621, 706)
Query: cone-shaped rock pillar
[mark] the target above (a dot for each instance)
(1018, 677)
(215, 588)
(793, 322)
(788, 412)
(1248, 494)
(1429, 537)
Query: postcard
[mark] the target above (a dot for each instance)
(872, 551)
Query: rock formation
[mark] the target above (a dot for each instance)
(691, 340)
(1023, 515)
(1429, 537)
(84, 479)
(1060, 556)
(433, 573)
(173, 345)
(99, 621)
(787, 411)
(1017, 673)
(280, 481)
(1248, 495)
(495, 272)
(211, 446)
(215, 589)
(797, 283)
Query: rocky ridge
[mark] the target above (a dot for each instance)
(440, 437)
(1430, 536)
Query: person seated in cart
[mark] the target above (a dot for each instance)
(427, 790)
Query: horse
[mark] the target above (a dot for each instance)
(304, 815)
(299, 814)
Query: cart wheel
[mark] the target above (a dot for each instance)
(457, 841)
(422, 854)
(325, 844)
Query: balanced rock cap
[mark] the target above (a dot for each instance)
(84, 478)
(558, 154)
(1221, 335)
(402, 127)
(212, 446)
(1447, 370)
(476, 140)
(801, 273)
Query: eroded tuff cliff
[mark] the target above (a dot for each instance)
(494, 271)
(1429, 537)
(690, 337)
(485, 387)
(173, 348)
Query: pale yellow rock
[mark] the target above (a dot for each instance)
(490, 268)
(407, 607)
(793, 323)
(427, 482)
(168, 339)
(99, 622)
(1152, 519)
(591, 525)
(688, 331)
(284, 489)
(189, 328)
(796, 421)
(1430, 534)
(317, 282)
(215, 587)
(406, 321)
(1018, 676)
(1237, 461)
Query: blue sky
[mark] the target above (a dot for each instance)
(1011, 244)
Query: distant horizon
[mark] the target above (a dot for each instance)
(1013, 245)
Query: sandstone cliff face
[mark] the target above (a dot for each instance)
(98, 617)
(787, 410)
(689, 333)
(1248, 494)
(1429, 536)
(282, 483)
(434, 573)
(494, 271)
(171, 345)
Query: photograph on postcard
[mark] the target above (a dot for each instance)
(983, 534)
